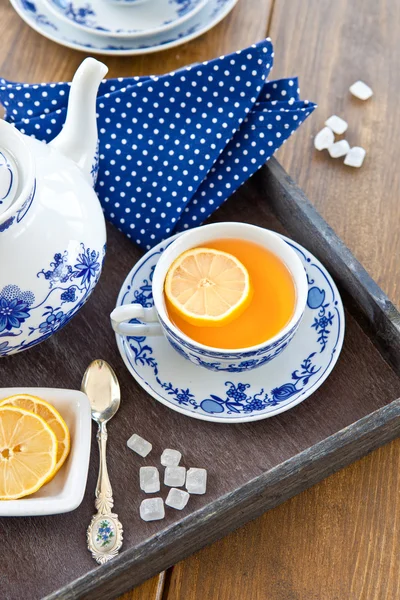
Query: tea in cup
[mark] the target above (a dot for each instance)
(258, 329)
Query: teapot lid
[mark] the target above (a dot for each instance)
(17, 172)
(8, 179)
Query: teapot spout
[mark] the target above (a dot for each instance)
(78, 138)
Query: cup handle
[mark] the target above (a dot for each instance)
(122, 314)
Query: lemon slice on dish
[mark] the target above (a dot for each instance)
(51, 416)
(28, 452)
(208, 287)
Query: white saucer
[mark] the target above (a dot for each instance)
(237, 397)
(37, 15)
(148, 17)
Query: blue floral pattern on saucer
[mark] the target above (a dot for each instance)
(114, 19)
(237, 397)
(42, 18)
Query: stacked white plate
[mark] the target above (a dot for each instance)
(122, 27)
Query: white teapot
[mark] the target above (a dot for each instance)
(52, 229)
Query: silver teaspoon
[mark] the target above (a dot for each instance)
(104, 534)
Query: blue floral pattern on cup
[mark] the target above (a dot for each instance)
(212, 359)
(215, 360)
(218, 361)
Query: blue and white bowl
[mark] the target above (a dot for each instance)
(155, 320)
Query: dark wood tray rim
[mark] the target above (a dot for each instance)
(223, 515)
(268, 490)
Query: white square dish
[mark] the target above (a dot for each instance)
(65, 492)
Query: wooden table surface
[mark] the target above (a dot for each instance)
(340, 539)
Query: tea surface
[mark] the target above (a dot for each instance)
(270, 309)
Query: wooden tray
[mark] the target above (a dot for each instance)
(252, 466)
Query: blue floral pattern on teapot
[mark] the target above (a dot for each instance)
(69, 286)
(52, 227)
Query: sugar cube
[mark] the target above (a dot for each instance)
(196, 481)
(324, 139)
(355, 157)
(177, 498)
(337, 124)
(174, 476)
(152, 509)
(339, 149)
(139, 445)
(149, 479)
(170, 458)
(361, 90)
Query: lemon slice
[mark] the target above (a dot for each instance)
(50, 415)
(28, 452)
(208, 287)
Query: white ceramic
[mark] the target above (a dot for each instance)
(156, 320)
(121, 19)
(36, 14)
(52, 229)
(65, 492)
(237, 397)
(126, 2)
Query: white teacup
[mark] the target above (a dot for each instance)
(155, 320)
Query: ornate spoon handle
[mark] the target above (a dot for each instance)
(104, 534)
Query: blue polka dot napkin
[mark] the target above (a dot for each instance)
(174, 147)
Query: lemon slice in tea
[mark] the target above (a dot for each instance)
(208, 287)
